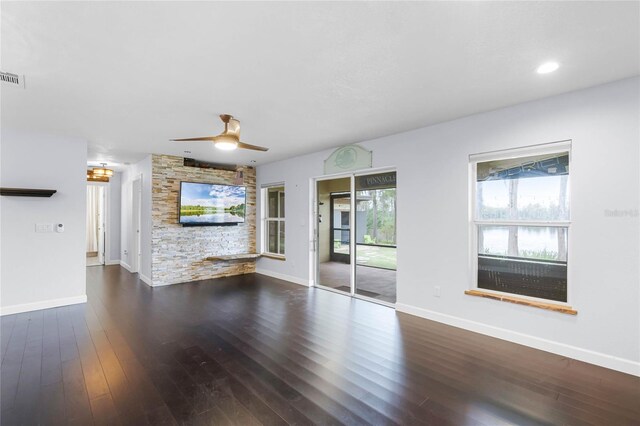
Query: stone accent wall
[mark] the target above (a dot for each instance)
(178, 252)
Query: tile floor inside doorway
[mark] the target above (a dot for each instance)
(376, 283)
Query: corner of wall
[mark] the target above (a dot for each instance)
(145, 279)
(283, 277)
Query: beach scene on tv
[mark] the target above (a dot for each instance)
(202, 203)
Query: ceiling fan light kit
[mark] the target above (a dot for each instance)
(102, 171)
(227, 140)
(93, 178)
(225, 143)
(99, 174)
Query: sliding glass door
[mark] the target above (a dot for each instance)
(375, 236)
(356, 235)
(333, 217)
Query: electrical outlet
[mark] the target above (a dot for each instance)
(436, 291)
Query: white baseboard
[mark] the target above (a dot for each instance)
(284, 277)
(145, 279)
(45, 304)
(165, 284)
(113, 262)
(608, 361)
(125, 265)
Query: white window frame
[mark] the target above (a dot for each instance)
(474, 159)
(266, 219)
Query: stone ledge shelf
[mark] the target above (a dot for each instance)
(239, 256)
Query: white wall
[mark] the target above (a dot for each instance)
(433, 227)
(42, 270)
(133, 171)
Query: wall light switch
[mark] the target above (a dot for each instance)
(436, 291)
(44, 227)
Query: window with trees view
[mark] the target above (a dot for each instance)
(274, 229)
(521, 220)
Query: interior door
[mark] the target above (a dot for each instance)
(101, 224)
(135, 225)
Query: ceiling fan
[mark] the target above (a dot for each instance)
(227, 140)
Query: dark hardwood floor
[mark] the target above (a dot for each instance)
(254, 350)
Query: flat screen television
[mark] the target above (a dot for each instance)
(204, 204)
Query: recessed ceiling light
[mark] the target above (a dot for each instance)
(548, 67)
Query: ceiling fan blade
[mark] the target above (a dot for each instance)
(253, 147)
(203, 138)
(233, 128)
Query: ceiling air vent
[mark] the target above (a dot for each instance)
(12, 79)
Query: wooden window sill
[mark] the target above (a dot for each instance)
(273, 256)
(564, 309)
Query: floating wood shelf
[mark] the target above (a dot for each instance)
(22, 192)
(239, 256)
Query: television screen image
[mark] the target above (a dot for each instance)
(211, 204)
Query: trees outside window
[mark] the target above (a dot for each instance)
(521, 221)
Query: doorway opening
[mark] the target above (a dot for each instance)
(96, 224)
(356, 235)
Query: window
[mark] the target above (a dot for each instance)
(274, 229)
(521, 221)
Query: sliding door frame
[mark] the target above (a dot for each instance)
(315, 231)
